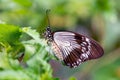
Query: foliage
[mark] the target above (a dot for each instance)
(99, 18)
(35, 63)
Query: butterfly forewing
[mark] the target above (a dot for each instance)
(74, 48)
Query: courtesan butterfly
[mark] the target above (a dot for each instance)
(72, 48)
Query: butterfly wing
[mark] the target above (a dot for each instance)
(74, 48)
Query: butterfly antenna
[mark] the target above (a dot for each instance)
(47, 13)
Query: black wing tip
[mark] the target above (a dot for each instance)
(98, 49)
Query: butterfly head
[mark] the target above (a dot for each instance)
(48, 34)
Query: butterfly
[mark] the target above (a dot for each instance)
(73, 48)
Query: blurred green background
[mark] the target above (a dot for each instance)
(22, 24)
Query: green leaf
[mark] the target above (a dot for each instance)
(13, 75)
(9, 33)
(4, 61)
(35, 55)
